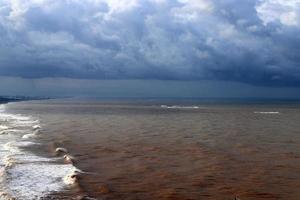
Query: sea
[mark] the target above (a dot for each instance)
(149, 149)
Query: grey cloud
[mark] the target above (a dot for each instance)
(152, 39)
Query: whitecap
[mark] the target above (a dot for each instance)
(9, 131)
(36, 127)
(179, 107)
(61, 150)
(2, 127)
(69, 158)
(267, 112)
(2, 108)
(29, 136)
(14, 117)
(71, 177)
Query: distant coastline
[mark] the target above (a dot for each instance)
(7, 99)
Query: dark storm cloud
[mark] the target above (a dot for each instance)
(251, 41)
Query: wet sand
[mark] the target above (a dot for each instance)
(146, 152)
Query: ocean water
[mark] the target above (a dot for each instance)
(70, 149)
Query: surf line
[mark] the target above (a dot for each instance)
(25, 175)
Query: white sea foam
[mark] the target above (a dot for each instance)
(71, 177)
(29, 158)
(2, 127)
(29, 135)
(61, 150)
(10, 147)
(15, 117)
(28, 122)
(179, 107)
(10, 131)
(2, 108)
(25, 176)
(14, 147)
(36, 180)
(69, 158)
(36, 127)
(267, 112)
(8, 161)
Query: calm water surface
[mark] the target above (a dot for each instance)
(147, 151)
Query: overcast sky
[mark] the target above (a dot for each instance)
(222, 46)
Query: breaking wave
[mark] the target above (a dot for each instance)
(24, 175)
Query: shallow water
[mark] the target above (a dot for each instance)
(156, 151)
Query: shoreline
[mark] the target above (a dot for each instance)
(6, 99)
(24, 171)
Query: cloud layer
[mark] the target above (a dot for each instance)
(256, 41)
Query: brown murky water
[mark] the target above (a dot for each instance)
(143, 151)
